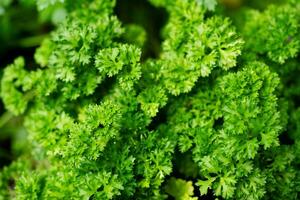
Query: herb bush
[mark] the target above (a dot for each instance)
(158, 99)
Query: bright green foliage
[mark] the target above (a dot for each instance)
(104, 124)
(184, 56)
(11, 173)
(246, 103)
(207, 4)
(180, 189)
(14, 75)
(276, 30)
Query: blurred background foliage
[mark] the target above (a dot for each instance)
(22, 29)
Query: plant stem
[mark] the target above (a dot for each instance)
(5, 118)
(32, 41)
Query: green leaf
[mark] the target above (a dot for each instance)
(205, 185)
(180, 189)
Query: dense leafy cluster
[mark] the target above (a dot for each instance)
(226, 125)
(278, 30)
(204, 118)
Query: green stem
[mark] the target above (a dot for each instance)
(32, 41)
(5, 118)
